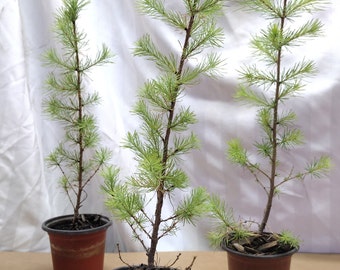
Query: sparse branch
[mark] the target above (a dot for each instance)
(136, 234)
(257, 179)
(191, 264)
(148, 218)
(318, 169)
(120, 256)
(177, 258)
(170, 228)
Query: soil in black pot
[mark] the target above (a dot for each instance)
(86, 221)
(258, 244)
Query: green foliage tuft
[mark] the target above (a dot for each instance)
(236, 153)
(286, 238)
(192, 206)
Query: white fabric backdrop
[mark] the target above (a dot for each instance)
(28, 192)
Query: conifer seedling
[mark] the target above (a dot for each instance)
(269, 85)
(78, 156)
(164, 135)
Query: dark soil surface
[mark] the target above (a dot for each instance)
(88, 221)
(264, 244)
(145, 267)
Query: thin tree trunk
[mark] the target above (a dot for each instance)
(80, 135)
(271, 192)
(160, 191)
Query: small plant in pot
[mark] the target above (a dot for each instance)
(77, 240)
(165, 136)
(269, 85)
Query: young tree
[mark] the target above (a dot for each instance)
(78, 156)
(269, 85)
(165, 134)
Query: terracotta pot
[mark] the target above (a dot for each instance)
(73, 250)
(242, 261)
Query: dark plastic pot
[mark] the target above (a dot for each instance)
(138, 267)
(242, 261)
(77, 250)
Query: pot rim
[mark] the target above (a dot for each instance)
(285, 254)
(46, 225)
(136, 266)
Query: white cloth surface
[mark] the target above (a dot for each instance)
(29, 193)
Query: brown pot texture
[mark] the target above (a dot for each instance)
(77, 250)
(242, 261)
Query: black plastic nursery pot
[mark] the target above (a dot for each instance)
(144, 267)
(243, 261)
(77, 250)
